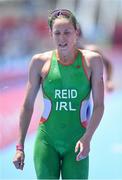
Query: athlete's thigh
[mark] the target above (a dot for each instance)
(72, 169)
(46, 161)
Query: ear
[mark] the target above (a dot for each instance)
(77, 32)
(50, 32)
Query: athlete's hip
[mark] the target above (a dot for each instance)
(59, 136)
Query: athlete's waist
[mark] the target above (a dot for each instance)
(61, 132)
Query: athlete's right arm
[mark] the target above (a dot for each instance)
(33, 84)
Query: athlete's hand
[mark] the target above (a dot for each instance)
(19, 159)
(83, 147)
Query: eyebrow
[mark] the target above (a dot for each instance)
(69, 29)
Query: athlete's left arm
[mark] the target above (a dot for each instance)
(96, 65)
(97, 94)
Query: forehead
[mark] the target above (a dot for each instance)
(62, 23)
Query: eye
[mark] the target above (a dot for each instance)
(67, 32)
(57, 33)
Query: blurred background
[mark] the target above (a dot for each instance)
(23, 33)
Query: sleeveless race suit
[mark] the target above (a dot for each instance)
(66, 91)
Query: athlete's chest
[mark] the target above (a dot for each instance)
(66, 76)
(66, 82)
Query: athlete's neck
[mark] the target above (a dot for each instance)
(68, 58)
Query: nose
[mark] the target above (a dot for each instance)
(62, 37)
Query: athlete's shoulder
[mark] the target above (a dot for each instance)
(93, 59)
(90, 53)
(42, 57)
(92, 47)
(91, 56)
(38, 60)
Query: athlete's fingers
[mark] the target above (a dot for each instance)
(19, 160)
(77, 146)
(80, 157)
(17, 164)
(84, 151)
(21, 165)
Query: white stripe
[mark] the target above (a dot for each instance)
(86, 109)
(47, 108)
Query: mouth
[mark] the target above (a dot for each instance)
(63, 45)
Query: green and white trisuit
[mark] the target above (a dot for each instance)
(66, 91)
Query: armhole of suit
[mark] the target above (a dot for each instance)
(84, 64)
(51, 57)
